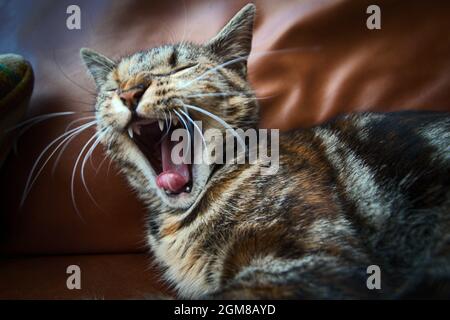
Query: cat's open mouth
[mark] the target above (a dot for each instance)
(153, 138)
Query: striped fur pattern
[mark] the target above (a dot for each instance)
(361, 190)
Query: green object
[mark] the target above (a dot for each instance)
(16, 86)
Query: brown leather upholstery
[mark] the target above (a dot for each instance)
(311, 60)
(103, 276)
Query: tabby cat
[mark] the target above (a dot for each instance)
(361, 190)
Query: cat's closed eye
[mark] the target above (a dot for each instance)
(177, 70)
(185, 67)
(172, 72)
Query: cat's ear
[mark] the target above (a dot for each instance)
(235, 39)
(98, 65)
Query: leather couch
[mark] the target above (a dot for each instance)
(311, 61)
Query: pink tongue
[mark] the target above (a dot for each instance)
(174, 176)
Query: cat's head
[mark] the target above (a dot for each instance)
(144, 97)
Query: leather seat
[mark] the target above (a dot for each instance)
(311, 60)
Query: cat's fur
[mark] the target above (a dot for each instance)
(361, 190)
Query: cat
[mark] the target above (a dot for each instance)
(367, 189)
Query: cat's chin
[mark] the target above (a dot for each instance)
(185, 200)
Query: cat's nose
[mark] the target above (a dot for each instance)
(131, 97)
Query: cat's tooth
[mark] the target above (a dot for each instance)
(161, 124)
(175, 121)
(130, 132)
(137, 129)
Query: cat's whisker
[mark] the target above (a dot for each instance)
(88, 155)
(84, 103)
(185, 125)
(106, 156)
(211, 70)
(196, 127)
(236, 60)
(70, 135)
(97, 170)
(60, 153)
(65, 136)
(110, 158)
(165, 118)
(109, 166)
(83, 164)
(170, 119)
(213, 94)
(78, 120)
(91, 162)
(166, 122)
(166, 131)
(225, 94)
(29, 123)
(75, 166)
(169, 122)
(37, 119)
(220, 120)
